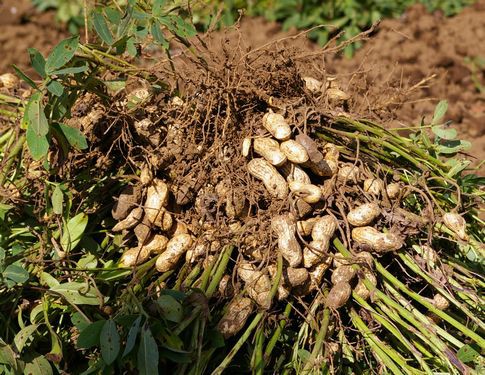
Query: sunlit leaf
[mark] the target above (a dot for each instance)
(61, 54)
(89, 336)
(73, 231)
(147, 353)
(21, 338)
(102, 28)
(439, 111)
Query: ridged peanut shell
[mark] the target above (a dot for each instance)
(258, 284)
(277, 125)
(270, 150)
(377, 241)
(156, 199)
(324, 228)
(130, 221)
(284, 227)
(456, 223)
(316, 252)
(294, 172)
(176, 247)
(364, 214)
(343, 273)
(338, 295)
(348, 173)
(133, 257)
(294, 151)
(272, 180)
(373, 186)
(308, 192)
(235, 317)
(157, 244)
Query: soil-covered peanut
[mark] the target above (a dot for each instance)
(237, 313)
(133, 257)
(343, 273)
(364, 214)
(308, 192)
(156, 244)
(294, 151)
(304, 227)
(440, 302)
(377, 241)
(315, 252)
(293, 172)
(284, 227)
(324, 228)
(393, 190)
(456, 223)
(277, 126)
(272, 180)
(176, 247)
(130, 196)
(270, 150)
(133, 218)
(360, 289)
(374, 186)
(348, 173)
(156, 200)
(258, 284)
(338, 295)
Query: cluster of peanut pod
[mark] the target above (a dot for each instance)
(284, 166)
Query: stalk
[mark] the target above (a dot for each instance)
(17, 148)
(221, 268)
(277, 333)
(317, 348)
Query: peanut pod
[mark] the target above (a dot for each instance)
(272, 180)
(277, 126)
(375, 240)
(235, 317)
(258, 284)
(316, 252)
(285, 227)
(176, 247)
(363, 214)
(294, 151)
(308, 192)
(270, 150)
(130, 221)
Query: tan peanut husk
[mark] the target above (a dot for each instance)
(176, 247)
(375, 240)
(274, 182)
(133, 218)
(284, 226)
(364, 214)
(235, 317)
(338, 295)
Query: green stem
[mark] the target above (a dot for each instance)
(17, 148)
(277, 333)
(221, 269)
(317, 348)
(465, 330)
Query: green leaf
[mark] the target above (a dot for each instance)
(110, 342)
(55, 88)
(79, 321)
(38, 145)
(37, 119)
(73, 231)
(2, 259)
(88, 261)
(74, 136)
(78, 293)
(113, 15)
(7, 356)
(178, 26)
(452, 147)
(37, 314)
(16, 274)
(71, 70)
(158, 35)
(101, 28)
(132, 334)
(37, 61)
(57, 200)
(439, 111)
(456, 166)
(171, 309)
(61, 54)
(89, 336)
(467, 354)
(4, 208)
(25, 77)
(23, 336)
(157, 8)
(444, 133)
(38, 366)
(147, 353)
(116, 86)
(49, 280)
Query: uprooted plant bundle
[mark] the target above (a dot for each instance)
(242, 217)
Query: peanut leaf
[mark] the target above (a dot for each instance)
(109, 340)
(73, 231)
(61, 54)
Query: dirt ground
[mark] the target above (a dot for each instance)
(397, 58)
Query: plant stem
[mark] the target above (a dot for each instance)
(11, 158)
(221, 268)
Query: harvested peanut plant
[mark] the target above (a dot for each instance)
(227, 211)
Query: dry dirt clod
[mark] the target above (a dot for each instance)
(237, 313)
(130, 196)
(338, 295)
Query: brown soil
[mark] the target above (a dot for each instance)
(21, 27)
